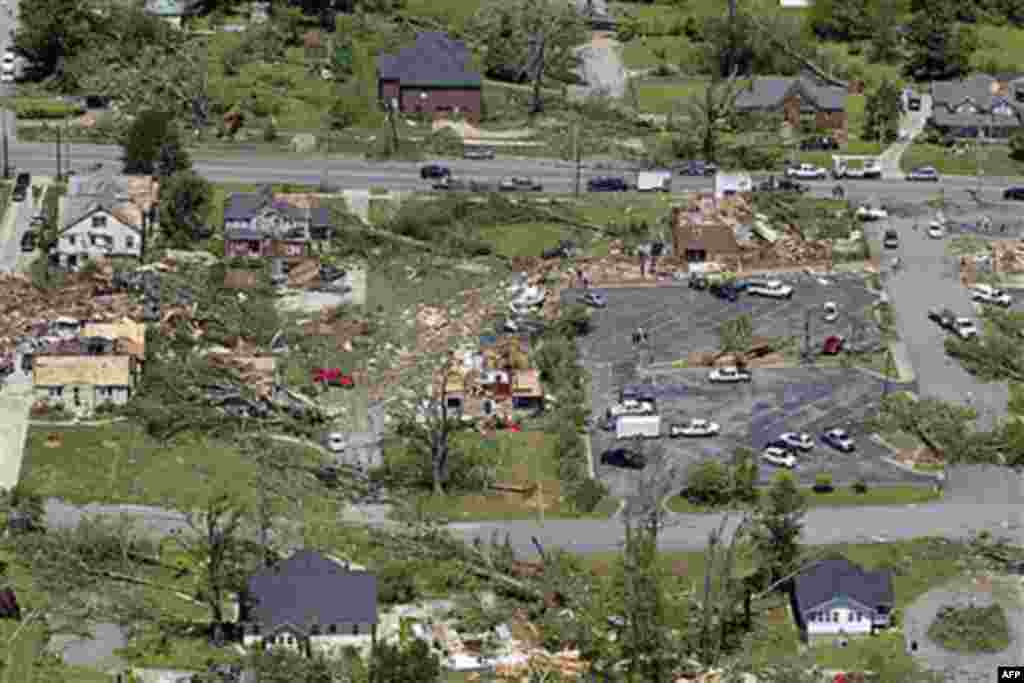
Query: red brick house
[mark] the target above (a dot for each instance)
(803, 102)
(432, 77)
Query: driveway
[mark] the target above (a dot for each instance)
(981, 592)
(911, 125)
(679, 320)
(96, 652)
(930, 278)
(602, 68)
(15, 402)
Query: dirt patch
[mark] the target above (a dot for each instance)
(603, 39)
(53, 441)
(913, 457)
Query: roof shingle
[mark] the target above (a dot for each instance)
(435, 59)
(769, 93)
(830, 579)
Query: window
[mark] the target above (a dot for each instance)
(129, 242)
(835, 617)
(99, 221)
(332, 629)
(355, 629)
(71, 240)
(56, 392)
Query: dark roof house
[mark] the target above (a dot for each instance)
(840, 582)
(801, 100)
(979, 103)
(433, 76)
(309, 592)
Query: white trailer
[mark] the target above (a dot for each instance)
(654, 181)
(638, 427)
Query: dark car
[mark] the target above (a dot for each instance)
(23, 180)
(20, 191)
(435, 171)
(565, 249)
(779, 443)
(622, 457)
(833, 345)
(697, 167)
(891, 240)
(725, 290)
(28, 241)
(926, 174)
(782, 185)
(698, 282)
(607, 184)
(1014, 193)
(595, 299)
(478, 152)
(520, 184)
(822, 142)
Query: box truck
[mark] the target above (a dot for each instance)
(654, 181)
(638, 427)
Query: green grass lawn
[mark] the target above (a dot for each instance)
(526, 239)
(665, 95)
(642, 52)
(843, 497)
(119, 463)
(524, 459)
(995, 161)
(1000, 46)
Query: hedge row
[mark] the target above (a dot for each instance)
(46, 109)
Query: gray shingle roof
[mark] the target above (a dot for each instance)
(947, 119)
(246, 205)
(830, 579)
(769, 92)
(435, 59)
(978, 91)
(977, 88)
(309, 588)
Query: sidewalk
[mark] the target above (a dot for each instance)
(901, 359)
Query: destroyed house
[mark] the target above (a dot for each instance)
(696, 238)
(494, 380)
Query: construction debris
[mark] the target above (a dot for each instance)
(1008, 256)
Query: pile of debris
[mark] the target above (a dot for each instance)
(761, 354)
(84, 296)
(567, 663)
(341, 331)
(792, 249)
(1008, 256)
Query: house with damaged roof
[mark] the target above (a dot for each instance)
(495, 380)
(432, 77)
(268, 226)
(837, 597)
(104, 215)
(80, 375)
(310, 603)
(978, 105)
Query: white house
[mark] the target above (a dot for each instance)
(310, 603)
(98, 230)
(836, 597)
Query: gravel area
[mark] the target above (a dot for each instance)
(981, 592)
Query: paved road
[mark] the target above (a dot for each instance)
(823, 526)
(15, 402)
(930, 278)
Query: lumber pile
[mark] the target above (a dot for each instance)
(1008, 256)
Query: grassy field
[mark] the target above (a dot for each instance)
(1000, 46)
(665, 95)
(995, 160)
(843, 497)
(643, 52)
(119, 463)
(524, 459)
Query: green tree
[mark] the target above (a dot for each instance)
(882, 113)
(708, 483)
(538, 35)
(778, 524)
(645, 643)
(1017, 145)
(842, 20)
(947, 429)
(185, 200)
(939, 48)
(143, 144)
(49, 33)
(744, 476)
(734, 335)
(710, 114)
(885, 39)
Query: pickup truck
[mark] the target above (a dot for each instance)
(806, 172)
(772, 289)
(950, 321)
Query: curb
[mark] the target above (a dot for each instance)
(937, 476)
(76, 423)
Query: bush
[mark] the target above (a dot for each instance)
(971, 629)
(1017, 146)
(395, 584)
(860, 487)
(823, 483)
(588, 495)
(270, 132)
(708, 483)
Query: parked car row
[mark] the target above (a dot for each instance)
(730, 289)
(965, 328)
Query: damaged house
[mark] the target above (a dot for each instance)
(698, 237)
(262, 225)
(104, 215)
(82, 374)
(494, 381)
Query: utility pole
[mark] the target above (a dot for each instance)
(807, 336)
(576, 155)
(7, 165)
(58, 154)
(67, 141)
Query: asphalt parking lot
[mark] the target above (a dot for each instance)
(779, 400)
(679, 320)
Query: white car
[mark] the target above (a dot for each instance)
(799, 440)
(806, 172)
(335, 442)
(987, 294)
(6, 78)
(696, 427)
(838, 439)
(730, 374)
(8, 62)
(779, 457)
(772, 288)
(831, 311)
(965, 328)
(936, 231)
(872, 213)
(631, 407)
